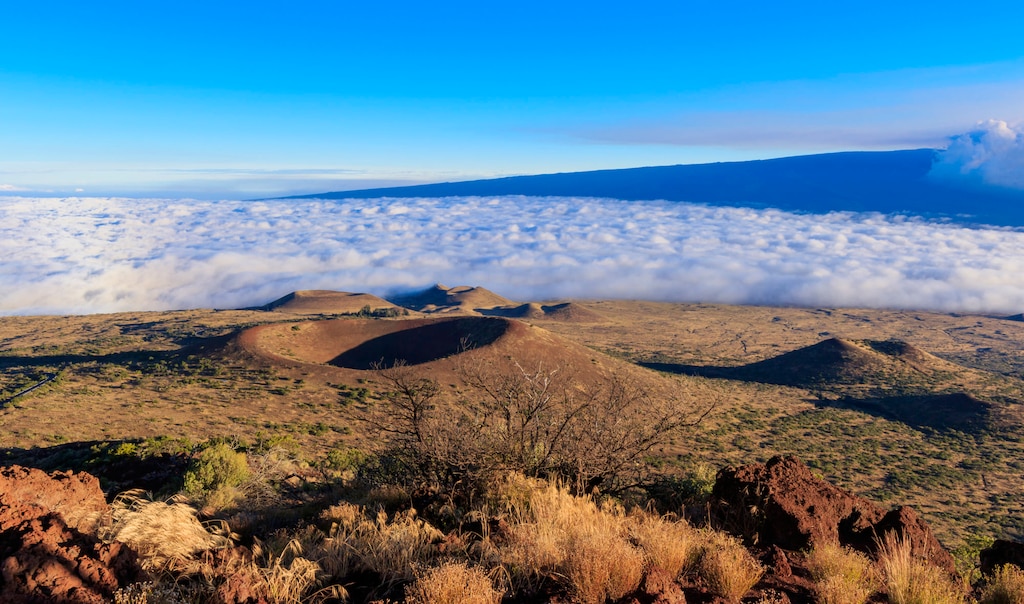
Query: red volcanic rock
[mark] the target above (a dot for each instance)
(76, 497)
(238, 586)
(658, 587)
(782, 503)
(1002, 552)
(45, 557)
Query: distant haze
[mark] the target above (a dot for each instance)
(100, 255)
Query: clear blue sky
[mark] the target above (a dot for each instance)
(212, 99)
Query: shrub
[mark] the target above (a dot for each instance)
(727, 567)
(1006, 586)
(841, 575)
(909, 580)
(215, 475)
(452, 583)
(536, 420)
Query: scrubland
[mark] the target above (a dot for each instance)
(517, 477)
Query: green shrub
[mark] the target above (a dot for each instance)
(342, 461)
(215, 475)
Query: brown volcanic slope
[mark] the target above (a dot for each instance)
(432, 347)
(319, 301)
(443, 299)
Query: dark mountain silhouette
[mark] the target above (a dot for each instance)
(883, 181)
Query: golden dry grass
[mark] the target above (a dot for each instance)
(390, 546)
(1006, 586)
(911, 580)
(727, 567)
(160, 532)
(453, 583)
(672, 545)
(841, 575)
(556, 534)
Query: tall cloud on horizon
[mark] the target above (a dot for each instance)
(991, 154)
(85, 255)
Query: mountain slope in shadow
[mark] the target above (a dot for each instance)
(860, 181)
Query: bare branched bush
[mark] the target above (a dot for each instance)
(528, 418)
(453, 583)
(910, 579)
(841, 575)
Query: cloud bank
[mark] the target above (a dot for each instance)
(85, 255)
(991, 154)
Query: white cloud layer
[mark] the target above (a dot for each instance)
(992, 153)
(84, 255)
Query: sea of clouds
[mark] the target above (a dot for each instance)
(86, 255)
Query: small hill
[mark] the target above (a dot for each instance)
(837, 362)
(530, 310)
(566, 311)
(433, 347)
(441, 299)
(571, 313)
(320, 301)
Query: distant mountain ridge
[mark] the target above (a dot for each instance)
(859, 181)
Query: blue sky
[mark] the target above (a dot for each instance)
(215, 100)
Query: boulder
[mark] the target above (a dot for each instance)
(1000, 553)
(46, 553)
(781, 503)
(76, 497)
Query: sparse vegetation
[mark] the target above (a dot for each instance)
(427, 500)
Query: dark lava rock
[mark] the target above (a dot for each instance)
(782, 503)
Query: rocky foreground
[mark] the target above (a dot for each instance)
(51, 548)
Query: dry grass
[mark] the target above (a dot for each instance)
(912, 580)
(282, 576)
(453, 583)
(727, 567)
(558, 535)
(841, 575)
(161, 533)
(673, 546)
(390, 546)
(1005, 587)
